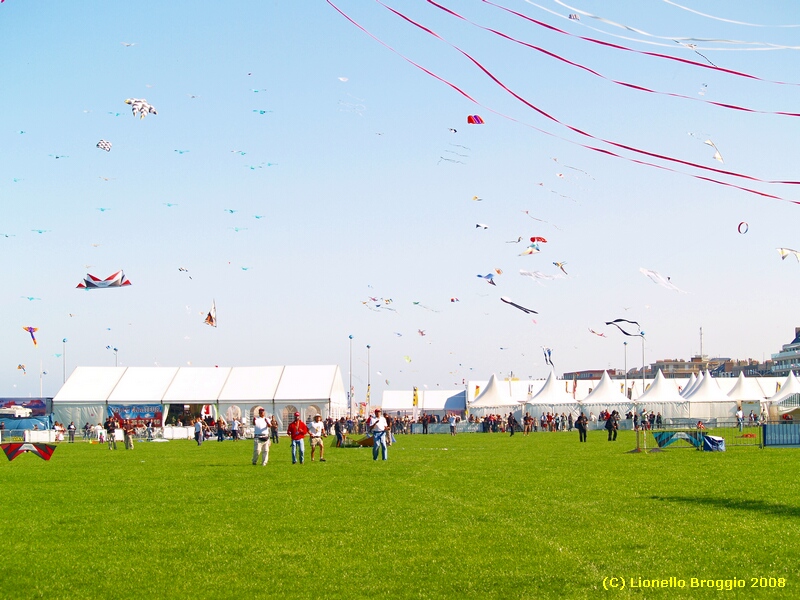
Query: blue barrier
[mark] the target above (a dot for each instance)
(781, 434)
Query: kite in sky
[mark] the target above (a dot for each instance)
(421, 332)
(597, 334)
(14, 449)
(474, 120)
(31, 298)
(743, 227)
(481, 226)
(116, 280)
(141, 106)
(104, 145)
(21, 367)
(784, 252)
(536, 239)
(717, 155)
(658, 278)
(532, 249)
(32, 330)
(536, 275)
(547, 352)
(616, 323)
(489, 278)
(415, 303)
(211, 317)
(516, 241)
(515, 305)
(560, 265)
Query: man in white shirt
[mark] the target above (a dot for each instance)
(740, 418)
(317, 432)
(261, 438)
(377, 425)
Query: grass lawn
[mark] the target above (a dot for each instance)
(476, 515)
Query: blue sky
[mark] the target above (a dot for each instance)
(357, 200)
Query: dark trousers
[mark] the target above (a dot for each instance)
(582, 433)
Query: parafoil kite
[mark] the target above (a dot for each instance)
(104, 145)
(116, 280)
(141, 106)
(536, 238)
(32, 330)
(515, 305)
(474, 120)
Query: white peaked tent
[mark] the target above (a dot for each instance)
(553, 399)
(693, 381)
(663, 397)
(787, 398)
(708, 401)
(492, 400)
(606, 396)
(748, 394)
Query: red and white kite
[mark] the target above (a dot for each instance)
(91, 282)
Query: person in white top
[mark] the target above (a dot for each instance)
(317, 431)
(377, 425)
(261, 439)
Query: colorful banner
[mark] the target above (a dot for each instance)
(140, 414)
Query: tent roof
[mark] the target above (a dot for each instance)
(197, 385)
(143, 384)
(661, 390)
(493, 395)
(397, 400)
(552, 392)
(746, 389)
(455, 400)
(307, 382)
(707, 390)
(789, 387)
(607, 392)
(687, 389)
(87, 384)
(251, 384)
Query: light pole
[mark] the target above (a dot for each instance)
(114, 350)
(369, 381)
(64, 358)
(350, 389)
(626, 368)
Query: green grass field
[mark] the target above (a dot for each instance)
(471, 516)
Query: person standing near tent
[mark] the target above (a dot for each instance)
(740, 418)
(111, 428)
(273, 428)
(297, 431)
(235, 429)
(339, 428)
(261, 438)
(582, 423)
(87, 431)
(511, 423)
(612, 426)
(71, 431)
(198, 431)
(376, 424)
(129, 430)
(317, 431)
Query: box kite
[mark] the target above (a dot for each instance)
(116, 280)
(474, 120)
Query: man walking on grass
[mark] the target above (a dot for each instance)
(377, 425)
(297, 432)
(317, 431)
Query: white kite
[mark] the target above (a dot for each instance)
(141, 106)
(784, 252)
(658, 278)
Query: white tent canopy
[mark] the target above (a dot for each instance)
(663, 397)
(236, 391)
(553, 399)
(787, 398)
(693, 381)
(607, 396)
(493, 399)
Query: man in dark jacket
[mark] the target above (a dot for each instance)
(612, 426)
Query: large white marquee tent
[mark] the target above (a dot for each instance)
(234, 391)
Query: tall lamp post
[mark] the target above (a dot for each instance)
(350, 389)
(369, 380)
(626, 368)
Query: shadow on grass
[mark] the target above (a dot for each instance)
(759, 506)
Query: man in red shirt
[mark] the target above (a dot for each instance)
(297, 432)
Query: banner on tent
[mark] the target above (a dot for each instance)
(138, 413)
